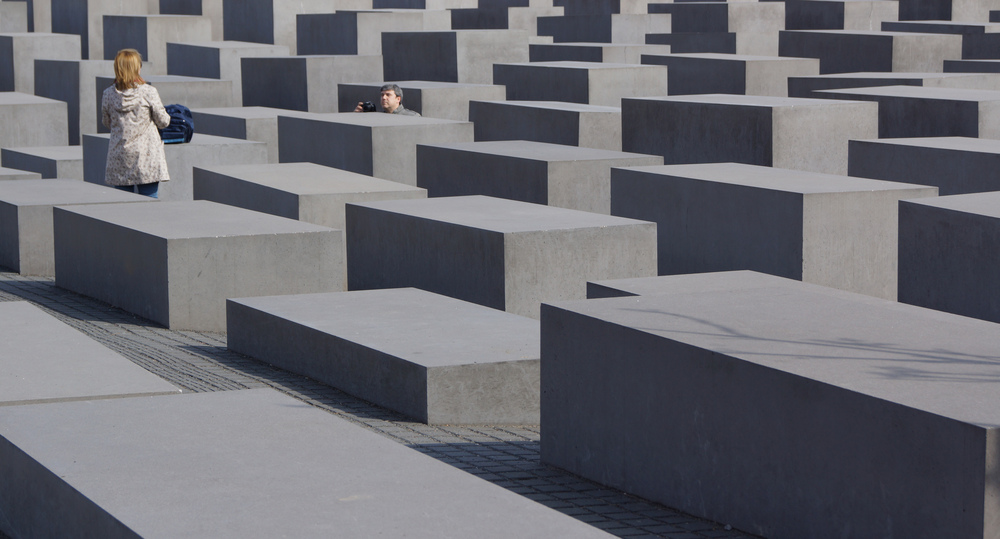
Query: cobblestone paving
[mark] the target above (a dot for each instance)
(506, 456)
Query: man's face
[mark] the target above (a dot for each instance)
(390, 100)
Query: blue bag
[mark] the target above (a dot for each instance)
(181, 127)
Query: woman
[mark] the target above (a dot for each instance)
(133, 111)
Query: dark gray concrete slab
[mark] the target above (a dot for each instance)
(304, 83)
(839, 14)
(603, 27)
(711, 73)
(177, 466)
(848, 51)
(72, 81)
(465, 56)
(809, 86)
(436, 359)
(85, 19)
(754, 26)
(593, 83)
(619, 53)
(44, 360)
(555, 122)
(842, 414)
(50, 161)
(18, 52)
(956, 165)
(217, 60)
(360, 32)
(149, 34)
(259, 124)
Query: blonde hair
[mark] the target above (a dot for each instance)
(127, 64)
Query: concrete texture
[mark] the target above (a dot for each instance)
(800, 134)
(149, 35)
(304, 83)
(85, 19)
(176, 262)
(809, 86)
(258, 124)
(167, 467)
(49, 161)
(15, 174)
(848, 51)
(711, 73)
(844, 415)
(465, 56)
(203, 150)
(46, 361)
(979, 40)
(18, 52)
(604, 27)
(754, 25)
(13, 17)
(374, 144)
(615, 53)
(273, 21)
(839, 14)
(702, 282)
(360, 32)
(537, 172)
(555, 122)
(593, 83)
(28, 120)
(835, 231)
(430, 357)
(499, 253)
(955, 165)
(445, 100)
(948, 254)
(217, 60)
(72, 81)
(947, 10)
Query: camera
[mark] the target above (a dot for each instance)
(367, 106)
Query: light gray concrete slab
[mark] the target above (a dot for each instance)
(18, 52)
(537, 172)
(203, 150)
(836, 231)
(28, 120)
(434, 99)
(948, 254)
(26, 244)
(979, 40)
(783, 132)
(434, 358)
(304, 83)
(555, 122)
(848, 51)
(843, 414)
(500, 253)
(49, 161)
(178, 466)
(259, 124)
(374, 144)
(44, 360)
(712, 73)
(465, 56)
(593, 83)
(808, 86)
(16, 174)
(956, 165)
(701, 282)
(217, 60)
(13, 17)
(149, 35)
(620, 53)
(176, 262)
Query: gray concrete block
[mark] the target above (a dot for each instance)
(360, 32)
(176, 466)
(593, 83)
(948, 254)
(304, 83)
(500, 253)
(826, 405)
(979, 40)
(465, 56)
(26, 244)
(28, 120)
(273, 21)
(848, 51)
(755, 25)
(217, 60)
(176, 262)
(503, 16)
(617, 53)
(16, 174)
(259, 124)
(915, 111)
(783, 132)
(972, 66)
(946, 10)
(556, 122)
(690, 42)
(18, 52)
(49, 161)
(85, 19)
(711, 73)
(13, 17)
(536, 172)
(374, 144)
(839, 14)
(471, 365)
(434, 99)
(808, 86)
(48, 361)
(955, 165)
(203, 150)
(835, 231)
(149, 35)
(701, 282)
(72, 81)
(604, 28)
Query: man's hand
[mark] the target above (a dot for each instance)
(360, 107)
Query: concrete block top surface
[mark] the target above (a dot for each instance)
(942, 27)
(555, 105)
(920, 92)
(256, 463)
(984, 204)
(963, 144)
(775, 179)
(928, 360)
(539, 151)
(17, 174)
(52, 152)
(252, 113)
(422, 327)
(238, 45)
(431, 84)
(193, 219)
(53, 192)
(701, 282)
(572, 64)
(309, 178)
(740, 100)
(21, 98)
(733, 57)
(45, 360)
(379, 119)
(499, 214)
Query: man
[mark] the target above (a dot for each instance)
(392, 101)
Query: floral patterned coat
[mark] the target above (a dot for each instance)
(135, 151)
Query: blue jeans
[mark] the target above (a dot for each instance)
(147, 189)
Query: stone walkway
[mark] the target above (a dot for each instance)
(506, 456)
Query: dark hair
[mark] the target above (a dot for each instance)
(395, 89)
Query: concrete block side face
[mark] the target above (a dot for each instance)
(248, 20)
(948, 261)
(580, 185)
(69, 17)
(478, 51)
(280, 83)
(555, 265)
(34, 124)
(232, 191)
(324, 75)
(705, 226)
(816, 138)
(114, 264)
(388, 250)
(608, 87)
(839, 53)
(60, 80)
(601, 130)
(923, 53)
(953, 172)
(450, 172)
(343, 146)
(326, 33)
(6, 63)
(812, 15)
(10, 248)
(543, 83)
(915, 117)
(193, 61)
(771, 78)
(989, 120)
(702, 76)
(395, 148)
(815, 476)
(356, 369)
(490, 393)
(34, 229)
(692, 132)
(498, 121)
(420, 56)
(126, 32)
